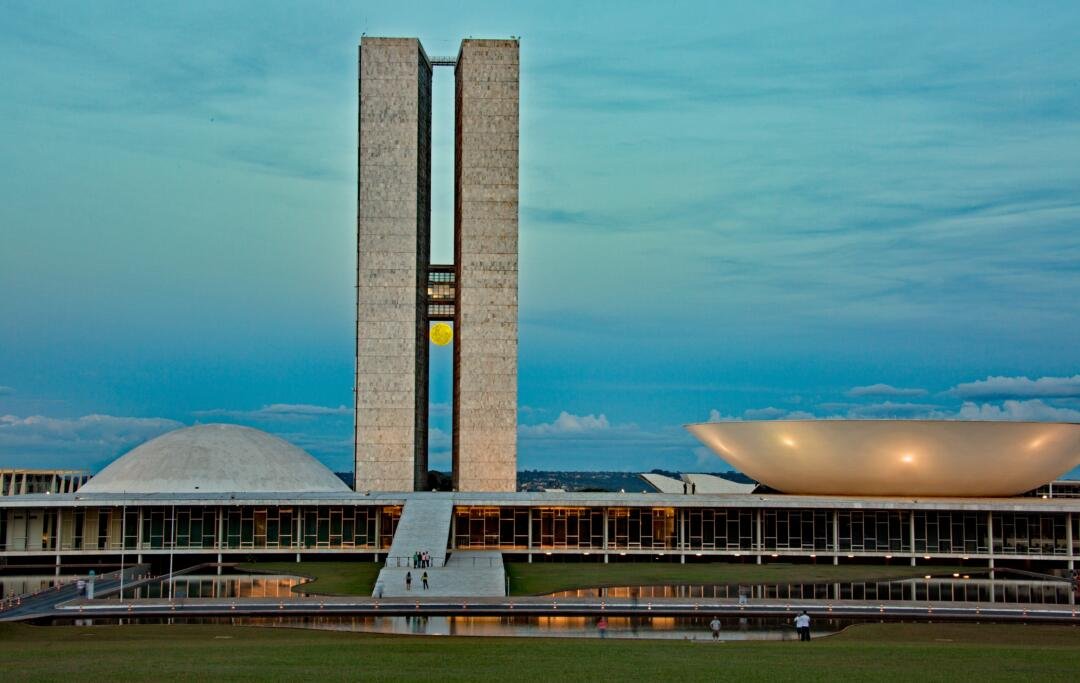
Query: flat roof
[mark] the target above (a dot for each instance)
(542, 499)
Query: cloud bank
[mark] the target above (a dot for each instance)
(1019, 387)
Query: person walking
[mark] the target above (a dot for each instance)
(416, 559)
(408, 581)
(423, 578)
(714, 626)
(802, 626)
(601, 626)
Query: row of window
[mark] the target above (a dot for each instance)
(517, 527)
(848, 531)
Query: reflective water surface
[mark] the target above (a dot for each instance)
(673, 628)
(962, 588)
(215, 586)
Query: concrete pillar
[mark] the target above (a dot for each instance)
(1069, 541)
(759, 530)
(911, 535)
(59, 536)
(219, 564)
(836, 536)
(605, 533)
(990, 539)
(138, 532)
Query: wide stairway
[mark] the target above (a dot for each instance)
(425, 526)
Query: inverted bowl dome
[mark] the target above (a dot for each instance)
(215, 458)
(896, 457)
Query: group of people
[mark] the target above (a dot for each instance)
(408, 580)
(802, 626)
(421, 559)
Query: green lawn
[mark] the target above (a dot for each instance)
(549, 577)
(330, 578)
(878, 652)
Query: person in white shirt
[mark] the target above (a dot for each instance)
(802, 626)
(714, 625)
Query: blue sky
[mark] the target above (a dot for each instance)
(790, 209)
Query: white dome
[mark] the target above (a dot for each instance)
(215, 458)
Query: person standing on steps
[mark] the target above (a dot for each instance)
(423, 578)
(408, 581)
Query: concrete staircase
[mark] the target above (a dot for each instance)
(425, 525)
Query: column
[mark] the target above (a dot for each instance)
(760, 531)
(836, 536)
(59, 536)
(990, 539)
(1069, 540)
(911, 535)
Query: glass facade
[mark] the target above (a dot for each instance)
(193, 527)
(624, 528)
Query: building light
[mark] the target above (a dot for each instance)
(888, 557)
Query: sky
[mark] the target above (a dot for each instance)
(727, 211)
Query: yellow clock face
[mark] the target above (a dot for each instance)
(442, 334)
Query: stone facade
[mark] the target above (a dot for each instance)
(485, 258)
(393, 254)
(393, 243)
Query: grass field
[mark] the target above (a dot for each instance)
(549, 577)
(330, 578)
(878, 652)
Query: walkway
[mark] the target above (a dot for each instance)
(425, 525)
(546, 606)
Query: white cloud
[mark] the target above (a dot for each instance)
(1032, 411)
(892, 409)
(438, 410)
(769, 413)
(279, 411)
(438, 439)
(566, 423)
(1019, 387)
(75, 442)
(6, 391)
(884, 390)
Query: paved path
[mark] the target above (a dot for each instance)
(425, 525)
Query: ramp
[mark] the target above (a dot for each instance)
(425, 525)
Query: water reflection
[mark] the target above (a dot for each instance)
(214, 586)
(669, 628)
(971, 589)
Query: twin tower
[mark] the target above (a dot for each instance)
(400, 292)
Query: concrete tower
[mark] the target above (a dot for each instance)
(399, 291)
(393, 246)
(486, 262)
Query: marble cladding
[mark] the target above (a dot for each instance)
(485, 256)
(393, 237)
